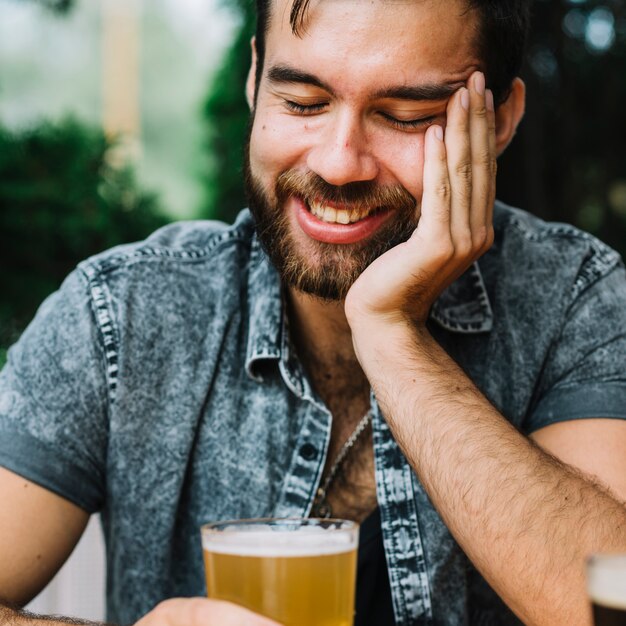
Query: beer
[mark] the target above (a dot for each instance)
(606, 581)
(298, 572)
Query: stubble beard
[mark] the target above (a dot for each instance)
(324, 270)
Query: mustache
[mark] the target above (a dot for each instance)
(359, 195)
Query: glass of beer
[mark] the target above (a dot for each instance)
(606, 584)
(299, 572)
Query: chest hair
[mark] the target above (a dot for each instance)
(345, 391)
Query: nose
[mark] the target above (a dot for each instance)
(341, 154)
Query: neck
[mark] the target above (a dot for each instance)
(323, 340)
(320, 329)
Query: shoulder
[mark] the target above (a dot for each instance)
(551, 254)
(176, 244)
(190, 273)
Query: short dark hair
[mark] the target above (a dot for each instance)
(501, 40)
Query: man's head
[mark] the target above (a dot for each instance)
(342, 92)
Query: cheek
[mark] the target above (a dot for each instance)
(274, 145)
(404, 162)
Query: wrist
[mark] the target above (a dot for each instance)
(384, 345)
(361, 314)
(388, 331)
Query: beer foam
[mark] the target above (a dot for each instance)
(606, 581)
(309, 541)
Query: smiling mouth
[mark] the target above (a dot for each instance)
(335, 215)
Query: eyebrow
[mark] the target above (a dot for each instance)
(429, 91)
(286, 74)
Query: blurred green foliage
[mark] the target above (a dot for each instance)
(226, 113)
(60, 202)
(568, 162)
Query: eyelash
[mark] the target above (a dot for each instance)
(312, 109)
(304, 109)
(418, 124)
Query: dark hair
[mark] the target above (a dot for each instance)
(501, 40)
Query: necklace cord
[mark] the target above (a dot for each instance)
(321, 506)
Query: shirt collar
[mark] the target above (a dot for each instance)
(463, 307)
(264, 308)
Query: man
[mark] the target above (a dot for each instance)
(185, 379)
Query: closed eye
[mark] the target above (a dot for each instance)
(416, 124)
(318, 107)
(305, 109)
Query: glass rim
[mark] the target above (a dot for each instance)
(608, 559)
(341, 525)
(606, 579)
(278, 537)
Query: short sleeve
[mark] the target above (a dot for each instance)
(53, 399)
(584, 375)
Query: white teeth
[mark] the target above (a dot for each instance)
(317, 211)
(343, 217)
(336, 216)
(330, 214)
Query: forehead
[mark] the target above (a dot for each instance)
(399, 41)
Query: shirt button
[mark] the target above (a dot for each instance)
(308, 451)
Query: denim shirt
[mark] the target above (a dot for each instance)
(159, 387)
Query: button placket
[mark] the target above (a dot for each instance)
(401, 534)
(308, 451)
(307, 463)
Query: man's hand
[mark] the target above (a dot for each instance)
(455, 226)
(201, 612)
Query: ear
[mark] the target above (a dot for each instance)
(251, 80)
(509, 114)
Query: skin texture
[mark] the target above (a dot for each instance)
(503, 496)
(31, 558)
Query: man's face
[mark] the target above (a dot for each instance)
(338, 130)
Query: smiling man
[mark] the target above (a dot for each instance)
(377, 339)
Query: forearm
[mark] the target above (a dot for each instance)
(526, 520)
(17, 617)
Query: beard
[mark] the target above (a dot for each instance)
(325, 270)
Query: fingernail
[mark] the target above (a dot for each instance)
(465, 100)
(489, 100)
(439, 133)
(479, 83)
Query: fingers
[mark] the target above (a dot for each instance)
(482, 140)
(434, 225)
(491, 123)
(459, 175)
(460, 168)
(471, 152)
(202, 612)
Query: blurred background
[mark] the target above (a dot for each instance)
(117, 116)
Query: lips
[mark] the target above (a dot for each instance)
(338, 224)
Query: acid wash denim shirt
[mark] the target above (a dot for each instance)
(159, 387)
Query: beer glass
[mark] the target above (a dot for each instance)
(300, 572)
(606, 584)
